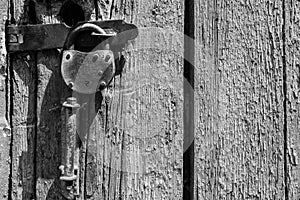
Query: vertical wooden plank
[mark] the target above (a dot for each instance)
(139, 135)
(292, 52)
(22, 99)
(52, 92)
(5, 137)
(23, 79)
(240, 111)
(49, 100)
(205, 100)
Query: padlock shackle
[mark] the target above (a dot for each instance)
(83, 27)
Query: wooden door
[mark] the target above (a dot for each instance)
(132, 133)
(236, 93)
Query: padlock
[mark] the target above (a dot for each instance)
(88, 64)
(88, 72)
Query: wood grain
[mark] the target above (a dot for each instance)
(246, 112)
(51, 93)
(5, 134)
(240, 123)
(23, 124)
(292, 52)
(50, 96)
(137, 132)
(22, 83)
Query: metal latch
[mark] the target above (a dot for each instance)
(89, 61)
(88, 64)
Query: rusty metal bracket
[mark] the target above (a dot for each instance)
(53, 36)
(70, 150)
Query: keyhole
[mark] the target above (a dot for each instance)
(71, 13)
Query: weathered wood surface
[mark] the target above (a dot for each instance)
(139, 145)
(22, 84)
(246, 106)
(292, 53)
(240, 100)
(4, 126)
(135, 140)
(23, 79)
(51, 93)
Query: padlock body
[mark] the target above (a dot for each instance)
(85, 72)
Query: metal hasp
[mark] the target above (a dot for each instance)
(70, 150)
(53, 36)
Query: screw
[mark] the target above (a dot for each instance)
(102, 84)
(71, 84)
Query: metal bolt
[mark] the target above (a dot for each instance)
(103, 84)
(71, 84)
